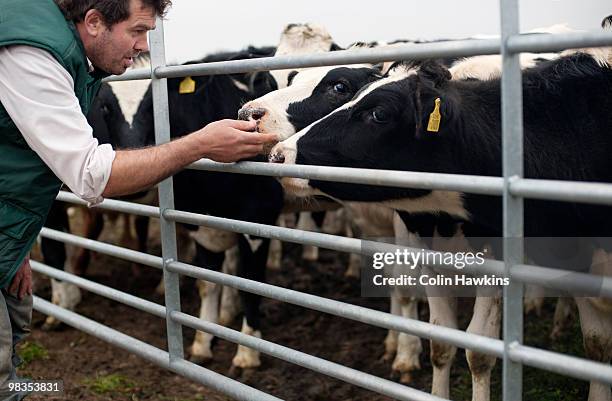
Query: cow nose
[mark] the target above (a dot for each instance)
(277, 156)
(251, 113)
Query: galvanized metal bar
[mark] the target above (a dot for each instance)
(335, 370)
(564, 365)
(132, 75)
(166, 193)
(343, 57)
(102, 290)
(112, 204)
(512, 166)
(540, 43)
(545, 43)
(401, 179)
(154, 355)
(459, 338)
(565, 191)
(107, 249)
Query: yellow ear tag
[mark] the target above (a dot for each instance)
(434, 118)
(187, 85)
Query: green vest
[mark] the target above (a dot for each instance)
(27, 186)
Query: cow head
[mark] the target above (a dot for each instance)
(301, 39)
(312, 94)
(384, 127)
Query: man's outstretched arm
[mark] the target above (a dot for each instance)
(222, 141)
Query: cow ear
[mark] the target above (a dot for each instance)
(607, 22)
(435, 72)
(435, 110)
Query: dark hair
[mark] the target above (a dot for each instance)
(113, 11)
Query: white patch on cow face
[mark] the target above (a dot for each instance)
(276, 103)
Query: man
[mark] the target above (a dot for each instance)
(52, 58)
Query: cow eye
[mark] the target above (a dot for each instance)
(340, 87)
(379, 116)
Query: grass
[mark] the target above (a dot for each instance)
(113, 383)
(30, 351)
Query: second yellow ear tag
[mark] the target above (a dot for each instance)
(434, 118)
(187, 85)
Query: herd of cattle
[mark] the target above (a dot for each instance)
(375, 116)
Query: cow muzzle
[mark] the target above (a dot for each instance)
(248, 113)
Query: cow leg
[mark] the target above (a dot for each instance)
(93, 225)
(486, 321)
(409, 346)
(442, 312)
(391, 339)
(334, 222)
(534, 299)
(564, 314)
(596, 324)
(55, 255)
(251, 266)
(201, 350)
(275, 255)
(230, 300)
(354, 267)
(141, 226)
(306, 222)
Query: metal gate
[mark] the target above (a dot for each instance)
(512, 187)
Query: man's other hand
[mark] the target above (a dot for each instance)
(232, 140)
(22, 281)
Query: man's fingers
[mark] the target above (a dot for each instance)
(260, 139)
(23, 288)
(250, 151)
(242, 125)
(14, 288)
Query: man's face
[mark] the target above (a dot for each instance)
(115, 48)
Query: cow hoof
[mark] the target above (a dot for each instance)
(246, 358)
(200, 359)
(406, 378)
(52, 324)
(236, 372)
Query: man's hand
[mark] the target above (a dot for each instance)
(232, 140)
(22, 281)
(223, 141)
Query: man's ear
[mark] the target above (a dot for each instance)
(435, 72)
(93, 22)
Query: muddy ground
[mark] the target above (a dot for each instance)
(93, 370)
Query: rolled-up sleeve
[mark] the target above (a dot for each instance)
(38, 94)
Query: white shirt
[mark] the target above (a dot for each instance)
(38, 94)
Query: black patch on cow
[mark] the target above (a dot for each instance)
(107, 120)
(290, 77)
(336, 88)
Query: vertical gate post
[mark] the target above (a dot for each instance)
(512, 163)
(166, 193)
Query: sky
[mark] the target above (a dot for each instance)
(194, 28)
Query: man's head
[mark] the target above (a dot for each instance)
(113, 32)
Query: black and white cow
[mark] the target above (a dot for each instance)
(567, 125)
